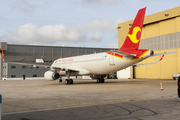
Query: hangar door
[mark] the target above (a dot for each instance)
(124, 73)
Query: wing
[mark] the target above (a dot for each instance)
(38, 65)
(28, 64)
(43, 66)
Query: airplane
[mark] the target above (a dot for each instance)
(97, 65)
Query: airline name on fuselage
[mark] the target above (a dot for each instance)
(64, 60)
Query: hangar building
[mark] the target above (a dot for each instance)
(32, 53)
(161, 32)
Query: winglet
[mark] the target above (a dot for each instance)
(2, 54)
(161, 58)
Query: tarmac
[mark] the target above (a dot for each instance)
(130, 99)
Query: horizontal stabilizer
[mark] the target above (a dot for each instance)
(162, 54)
(123, 53)
(137, 65)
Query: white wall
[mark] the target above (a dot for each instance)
(125, 73)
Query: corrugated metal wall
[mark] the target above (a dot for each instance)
(29, 53)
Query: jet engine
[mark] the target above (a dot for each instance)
(50, 75)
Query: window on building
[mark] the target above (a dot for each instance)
(34, 75)
(13, 76)
(13, 67)
(24, 67)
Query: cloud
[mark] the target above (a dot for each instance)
(97, 25)
(104, 25)
(96, 37)
(2, 18)
(31, 34)
(102, 2)
(23, 6)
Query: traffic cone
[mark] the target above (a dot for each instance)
(161, 86)
(44, 80)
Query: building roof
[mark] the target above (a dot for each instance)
(167, 14)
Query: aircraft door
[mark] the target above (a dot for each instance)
(111, 59)
(70, 63)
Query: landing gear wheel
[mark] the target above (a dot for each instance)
(71, 81)
(98, 80)
(102, 80)
(60, 80)
(67, 81)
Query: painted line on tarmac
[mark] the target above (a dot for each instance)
(65, 106)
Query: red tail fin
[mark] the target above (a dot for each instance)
(133, 38)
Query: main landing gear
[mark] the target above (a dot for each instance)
(100, 80)
(69, 81)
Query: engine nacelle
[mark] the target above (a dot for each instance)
(97, 76)
(50, 75)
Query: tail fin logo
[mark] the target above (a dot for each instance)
(133, 36)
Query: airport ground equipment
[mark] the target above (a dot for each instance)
(176, 76)
(178, 87)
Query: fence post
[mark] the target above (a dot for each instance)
(0, 105)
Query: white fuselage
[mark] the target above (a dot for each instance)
(100, 63)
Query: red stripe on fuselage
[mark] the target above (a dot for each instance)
(114, 54)
(140, 56)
